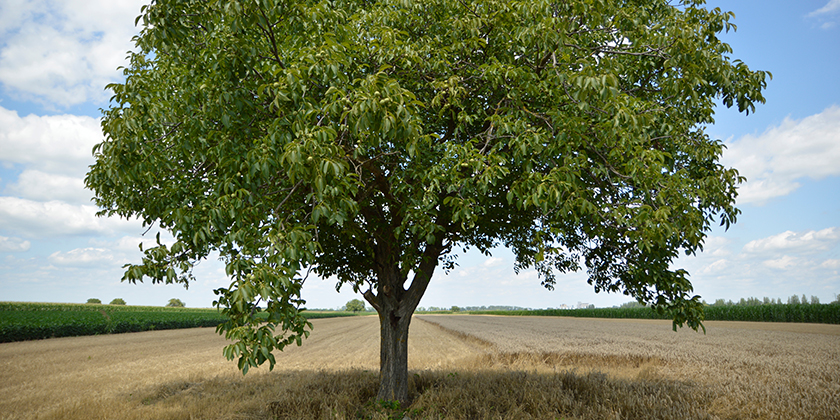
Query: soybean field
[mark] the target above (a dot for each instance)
(21, 321)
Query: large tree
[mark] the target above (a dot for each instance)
(369, 141)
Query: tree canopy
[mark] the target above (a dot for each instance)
(369, 141)
(355, 305)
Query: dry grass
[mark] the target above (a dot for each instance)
(748, 370)
(506, 368)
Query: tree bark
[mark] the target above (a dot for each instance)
(393, 356)
(395, 306)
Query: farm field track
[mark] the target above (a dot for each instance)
(470, 366)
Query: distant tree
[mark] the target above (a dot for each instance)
(632, 304)
(117, 301)
(367, 141)
(455, 309)
(175, 303)
(93, 300)
(591, 306)
(355, 305)
(815, 300)
(793, 300)
(804, 299)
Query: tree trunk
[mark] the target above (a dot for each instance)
(393, 356)
(395, 306)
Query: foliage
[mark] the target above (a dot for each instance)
(94, 301)
(814, 313)
(31, 321)
(117, 301)
(355, 305)
(368, 140)
(176, 303)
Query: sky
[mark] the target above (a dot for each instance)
(57, 56)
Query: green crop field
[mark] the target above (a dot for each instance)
(817, 313)
(21, 321)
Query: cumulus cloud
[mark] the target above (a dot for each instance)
(775, 160)
(831, 7)
(13, 244)
(64, 52)
(807, 242)
(41, 186)
(55, 218)
(492, 262)
(82, 257)
(60, 144)
(831, 263)
(782, 263)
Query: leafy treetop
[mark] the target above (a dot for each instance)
(369, 140)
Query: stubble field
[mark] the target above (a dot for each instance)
(464, 367)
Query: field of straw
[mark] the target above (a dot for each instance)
(463, 367)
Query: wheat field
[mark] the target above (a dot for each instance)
(463, 367)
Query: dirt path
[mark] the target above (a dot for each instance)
(39, 376)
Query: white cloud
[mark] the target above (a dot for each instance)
(55, 218)
(492, 262)
(800, 242)
(830, 264)
(41, 186)
(782, 263)
(716, 267)
(774, 160)
(716, 246)
(60, 144)
(830, 7)
(13, 244)
(64, 52)
(82, 257)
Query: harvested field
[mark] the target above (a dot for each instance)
(182, 373)
(469, 367)
(750, 370)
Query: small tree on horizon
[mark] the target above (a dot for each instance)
(175, 303)
(355, 305)
(94, 301)
(117, 301)
(371, 141)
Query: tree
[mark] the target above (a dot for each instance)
(117, 301)
(175, 303)
(370, 141)
(94, 301)
(355, 305)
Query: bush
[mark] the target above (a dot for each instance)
(117, 301)
(175, 303)
(94, 301)
(355, 305)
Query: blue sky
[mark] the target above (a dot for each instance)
(56, 57)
